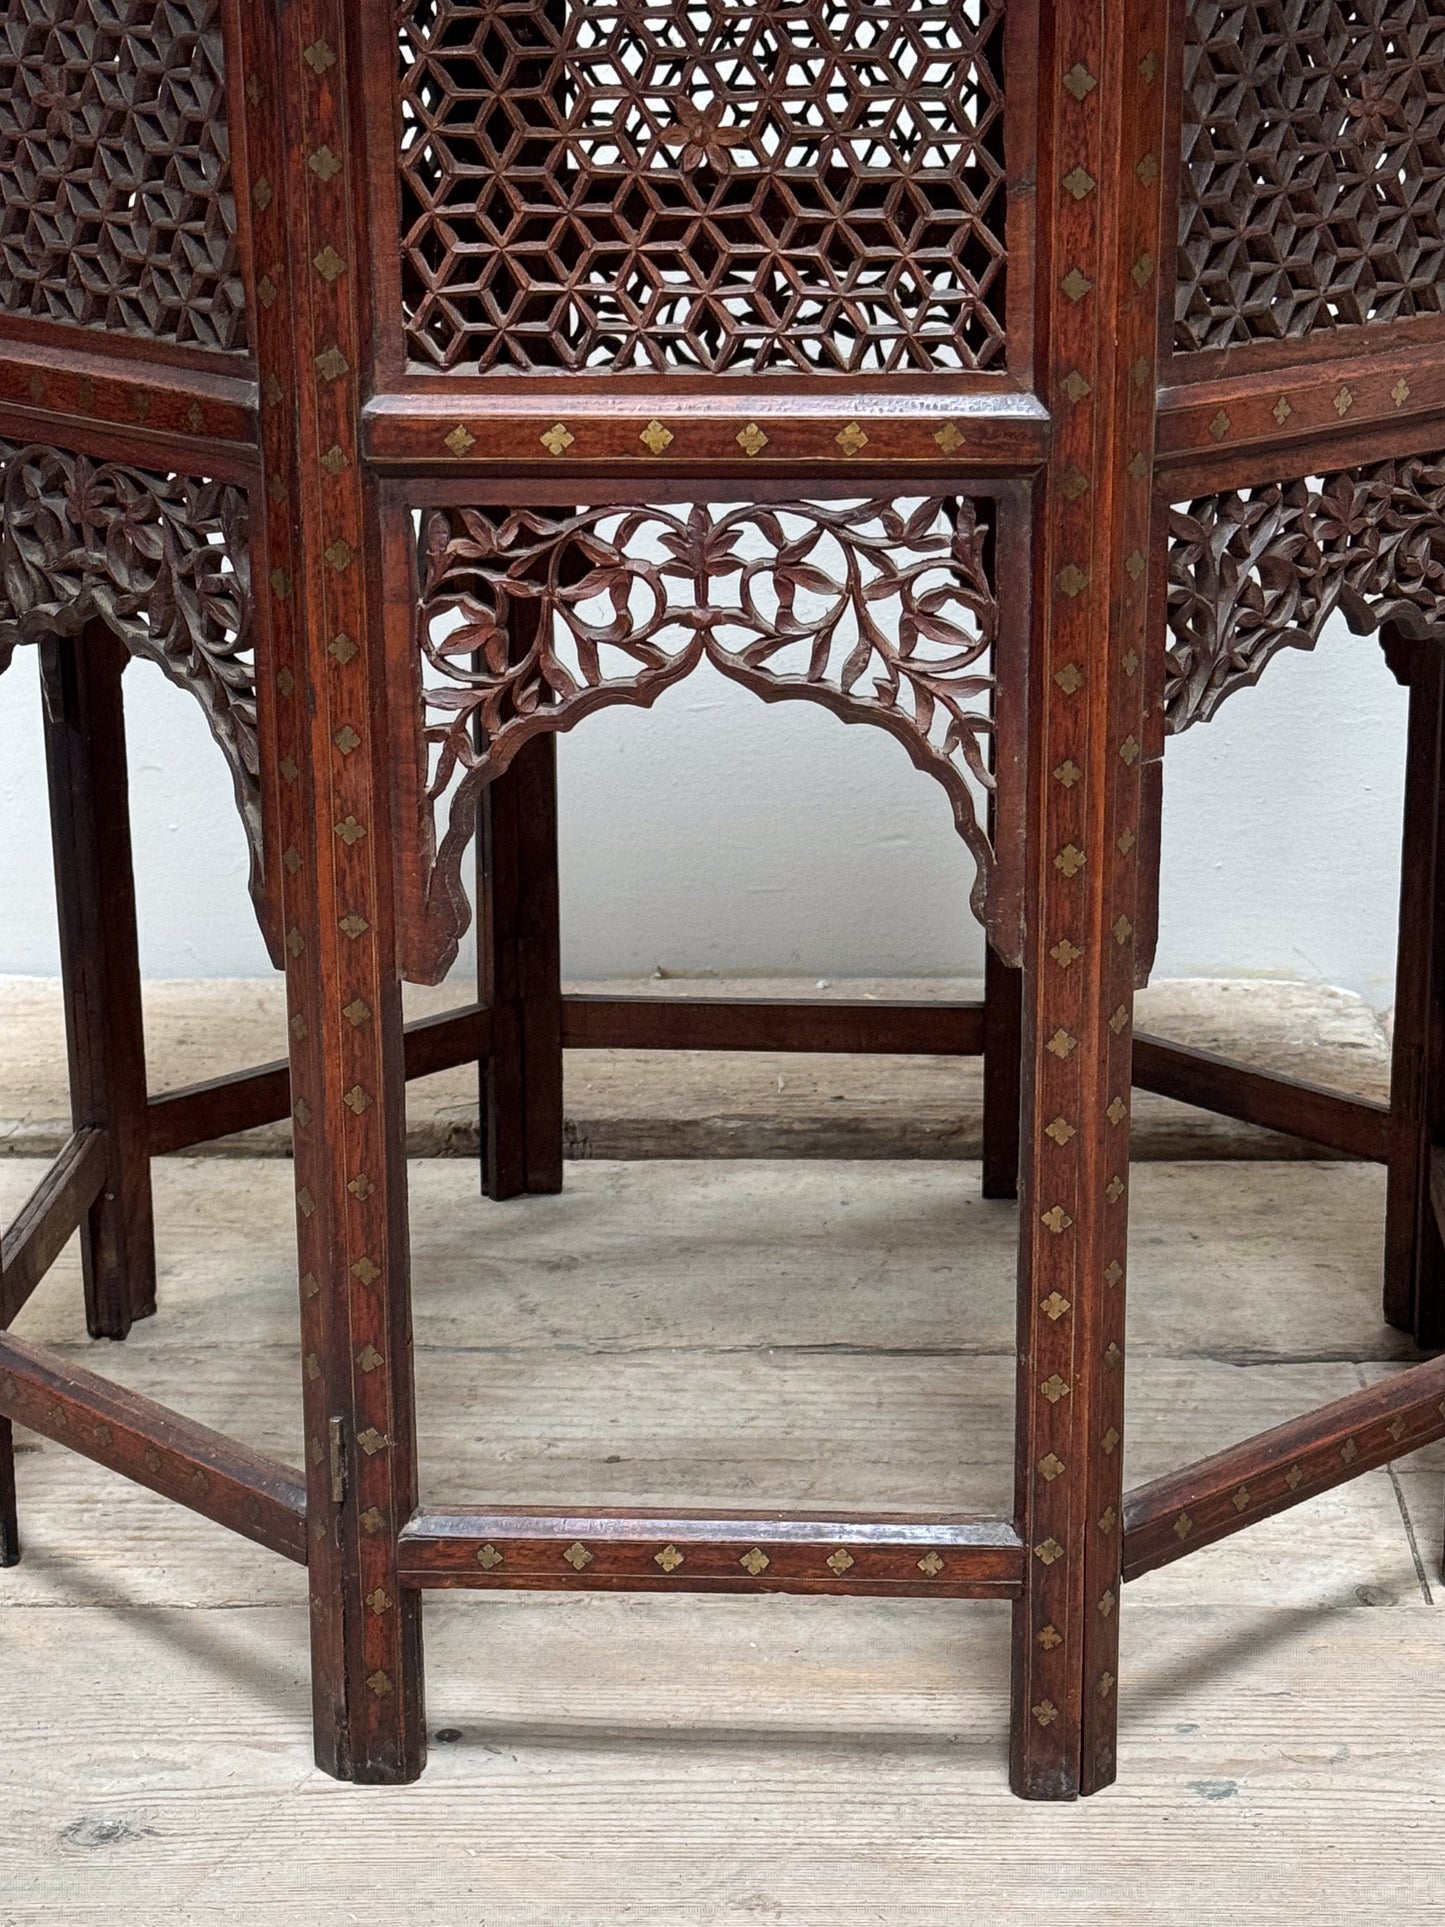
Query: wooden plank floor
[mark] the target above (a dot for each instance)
(697, 1332)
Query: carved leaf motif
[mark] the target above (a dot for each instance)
(164, 561)
(1258, 570)
(528, 621)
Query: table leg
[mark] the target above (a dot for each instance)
(99, 962)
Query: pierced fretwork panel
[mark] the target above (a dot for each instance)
(164, 561)
(718, 185)
(115, 202)
(1313, 191)
(528, 620)
(1263, 569)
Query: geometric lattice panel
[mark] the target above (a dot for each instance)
(1313, 190)
(115, 205)
(731, 187)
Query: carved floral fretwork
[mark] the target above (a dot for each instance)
(163, 561)
(884, 611)
(1262, 569)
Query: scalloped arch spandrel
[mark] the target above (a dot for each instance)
(527, 620)
(1257, 570)
(164, 562)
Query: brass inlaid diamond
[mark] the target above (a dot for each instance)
(1113, 1357)
(371, 1441)
(346, 739)
(1400, 393)
(751, 440)
(1123, 930)
(262, 194)
(1135, 565)
(266, 291)
(460, 441)
(1047, 1551)
(353, 925)
(1114, 1189)
(1239, 1499)
(1119, 1019)
(1076, 284)
(318, 56)
(1124, 842)
(1061, 1043)
(1282, 410)
(356, 1012)
(1109, 1441)
(839, 1562)
(1183, 1526)
(1068, 773)
(1219, 427)
(371, 1521)
(324, 164)
(557, 439)
(1069, 678)
(1106, 1684)
(301, 1111)
(488, 1558)
(361, 1186)
(379, 1601)
(291, 857)
(1117, 1111)
(1074, 483)
(1060, 1130)
(1142, 270)
(949, 438)
(1050, 1466)
(1294, 1478)
(930, 1565)
(577, 1556)
(669, 1558)
(655, 437)
(1064, 953)
(1398, 1430)
(1146, 169)
(1054, 1306)
(851, 439)
(1076, 386)
(332, 364)
(1070, 860)
(1079, 81)
(340, 554)
(380, 1683)
(1056, 1219)
(1129, 749)
(1349, 1452)
(366, 1270)
(357, 1100)
(342, 648)
(1073, 580)
(329, 264)
(350, 831)
(1107, 1603)
(1054, 1389)
(1080, 183)
(1344, 401)
(1046, 1712)
(1050, 1637)
(755, 1561)
(336, 460)
(369, 1358)
(1108, 1519)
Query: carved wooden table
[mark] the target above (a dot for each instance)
(408, 382)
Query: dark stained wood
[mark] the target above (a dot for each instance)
(418, 451)
(918, 1555)
(1002, 1072)
(251, 1494)
(1414, 1242)
(1357, 1126)
(199, 1113)
(519, 964)
(9, 1516)
(1280, 1468)
(50, 1217)
(99, 962)
(324, 539)
(763, 1024)
(1104, 230)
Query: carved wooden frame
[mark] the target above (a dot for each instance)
(1083, 435)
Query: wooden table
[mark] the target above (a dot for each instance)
(409, 399)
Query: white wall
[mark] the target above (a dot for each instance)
(717, 832)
